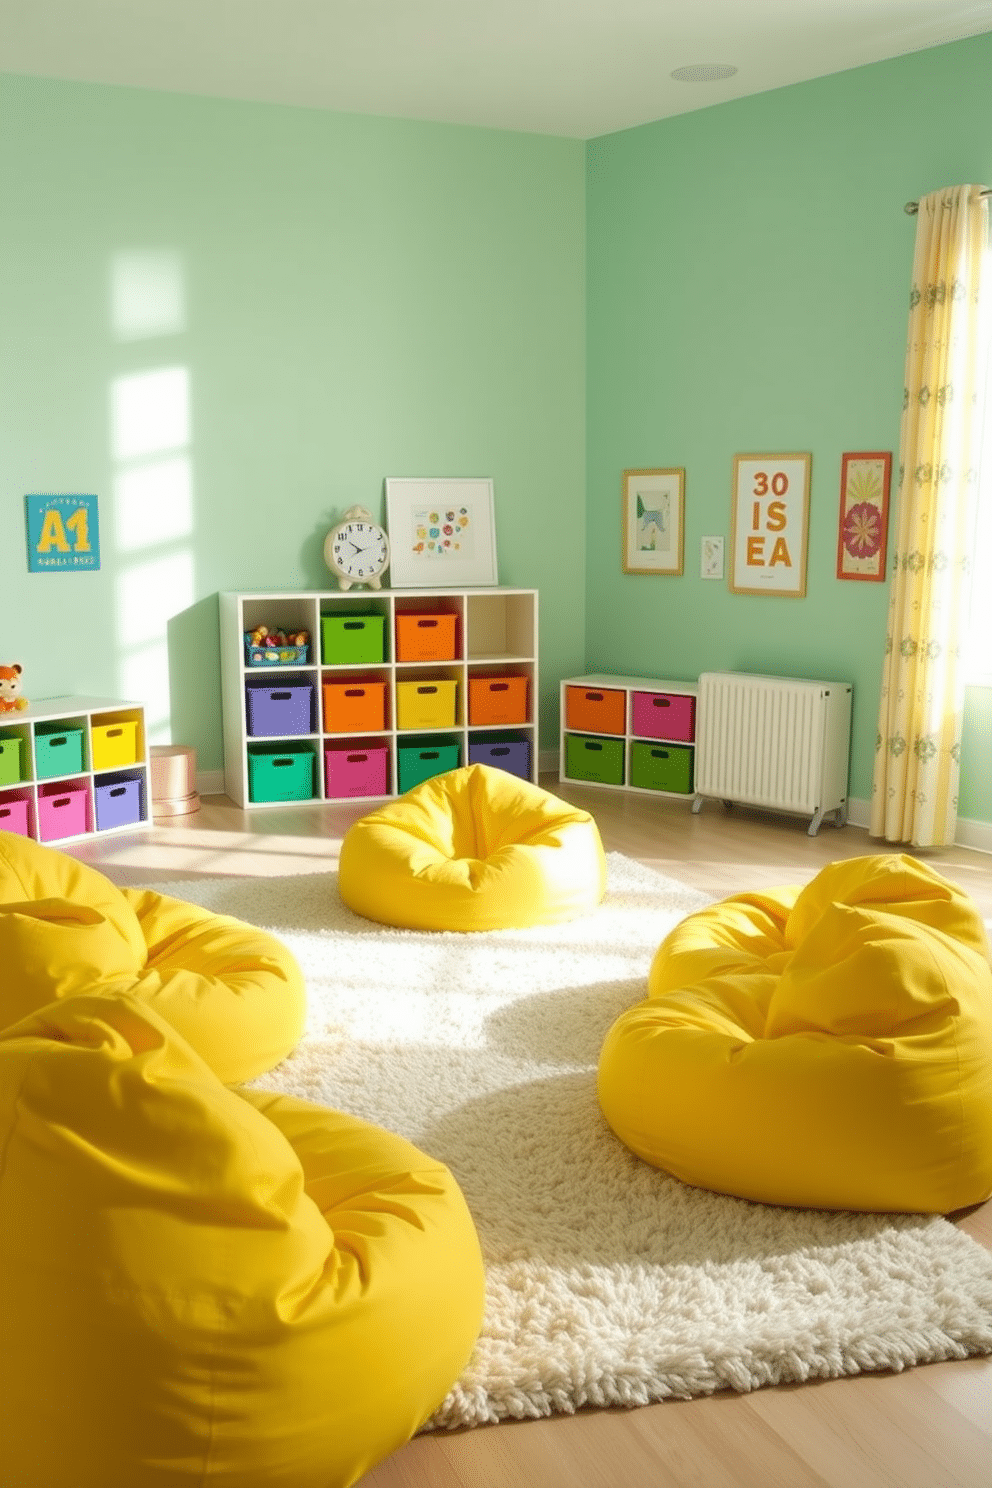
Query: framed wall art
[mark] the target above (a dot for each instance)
(652, 520)
(863, 527)
(770, 524)
(711, 558)
(442, 533)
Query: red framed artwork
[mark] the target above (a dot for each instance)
(864, 515)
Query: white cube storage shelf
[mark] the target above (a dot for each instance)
(638, 733)
(395, 684)
(74, 767)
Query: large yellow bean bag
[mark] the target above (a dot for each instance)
(233, 991)
(473, 849)
(199, 1286)
(829, 1047)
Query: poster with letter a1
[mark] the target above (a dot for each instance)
(770, 524)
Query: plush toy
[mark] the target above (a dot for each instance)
(10, 689)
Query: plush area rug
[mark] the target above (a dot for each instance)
(608, 1282)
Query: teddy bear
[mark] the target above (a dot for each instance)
(10, 689)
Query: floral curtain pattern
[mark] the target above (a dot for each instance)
(918, 747)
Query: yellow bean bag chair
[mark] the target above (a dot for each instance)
(473, 849)
(829, 1047)
(198, 1285)
(233, 991)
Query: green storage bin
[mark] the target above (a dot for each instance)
(596, 759)
(420, 762)
(57, 751)
(10, 761)
(352, 640)
(283, 775)
(663, 767)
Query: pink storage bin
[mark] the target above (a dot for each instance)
(62, 813)
(664, 715)
(351, 771)
(14, 817)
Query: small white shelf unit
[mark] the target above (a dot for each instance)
(74, 767)
(494, 637)
(637, 733)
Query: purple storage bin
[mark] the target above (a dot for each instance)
(356, 772)
(14, 817)
(511, 755)
(117, 803)
(664, 715)
(278, 710)
(62, 813)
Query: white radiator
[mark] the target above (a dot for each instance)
(778, 742)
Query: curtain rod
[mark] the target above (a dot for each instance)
(911, 208)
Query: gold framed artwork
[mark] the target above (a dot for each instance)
(652, 520)
(770, 524)
(863, 526)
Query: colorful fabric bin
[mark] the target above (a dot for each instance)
(497, 700)
(279, 710)
(351, 771)
(426, 704)
(426, 637)
(114, 744)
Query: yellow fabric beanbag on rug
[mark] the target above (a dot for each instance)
(232, 990)
(201, 1285)
(829, 1047)
(473, 849)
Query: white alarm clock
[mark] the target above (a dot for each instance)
(357, 549)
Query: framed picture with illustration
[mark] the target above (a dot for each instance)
(652, 520)
(442, 533)
(863, 527)
(770, 524)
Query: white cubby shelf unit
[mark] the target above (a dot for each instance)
(638, 733)
(74, 767)
(352, 716)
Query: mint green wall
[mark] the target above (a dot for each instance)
(332, 300)
(748, 280)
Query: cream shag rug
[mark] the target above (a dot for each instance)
(608, 1282)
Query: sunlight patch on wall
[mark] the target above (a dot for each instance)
(147, 294)
(149, 413)
(149, 594)
(153, 503)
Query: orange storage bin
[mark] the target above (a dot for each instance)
(426, 637)
(354, 707)
(596, 710)
(497, 700)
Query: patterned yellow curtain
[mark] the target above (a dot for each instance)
(917, 753)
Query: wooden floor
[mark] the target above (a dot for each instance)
(930, 1427)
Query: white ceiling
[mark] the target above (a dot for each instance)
(577, 68)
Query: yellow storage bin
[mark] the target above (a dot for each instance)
(426, 705)
(114, 744)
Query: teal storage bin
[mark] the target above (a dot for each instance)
(284, 775)
(664, 767)
(350, 640)
(57, 751)
(598, 759)
(420, 762)
(10, 761)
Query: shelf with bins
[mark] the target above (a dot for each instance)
(394, 686)
(633, 732)
(71, 767)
